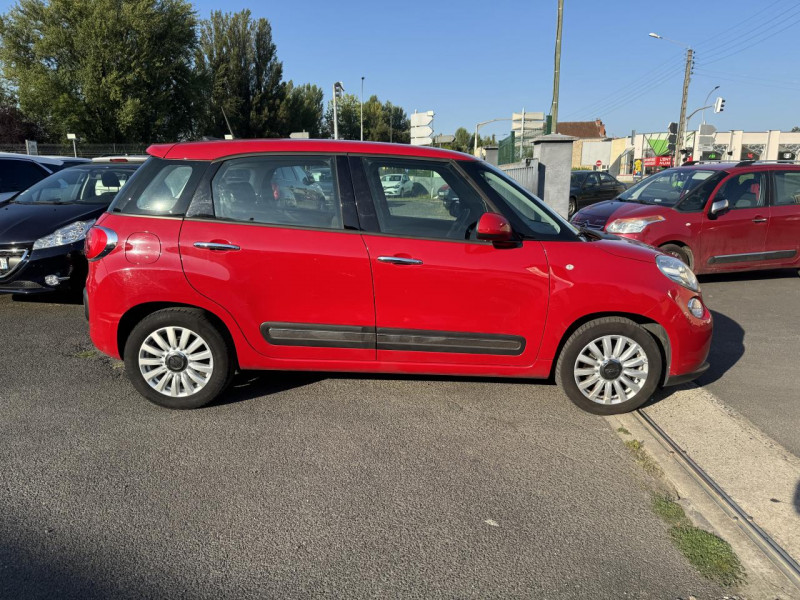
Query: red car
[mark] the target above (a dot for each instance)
(713, 216)
(197, 271)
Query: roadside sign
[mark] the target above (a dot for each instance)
(421, 119)
(425, 131)
(599, 163)
(299, 135)
(32, 148)
(421, 128)
(529, 116)
(444, 139)
(421, 141)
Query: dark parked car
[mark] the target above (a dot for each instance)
(588, 187)
(43, 228)
(20, 171)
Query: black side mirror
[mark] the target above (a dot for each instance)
(718, 207)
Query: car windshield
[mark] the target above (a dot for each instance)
(667, 187)
(78, 185)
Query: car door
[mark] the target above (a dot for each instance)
(441, 296)
(591, 192)
(735, 240)
(296, 279)
(783, 233)
(608, 186)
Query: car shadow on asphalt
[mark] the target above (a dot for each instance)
(49, 298)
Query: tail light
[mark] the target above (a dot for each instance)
(276, 191)
(99, 242)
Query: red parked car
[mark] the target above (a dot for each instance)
(715, 217)
(197, 270)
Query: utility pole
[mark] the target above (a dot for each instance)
(362, 109)
(687, 76)
(338, 89)
(557, 68)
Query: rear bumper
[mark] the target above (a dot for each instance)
(678, 379)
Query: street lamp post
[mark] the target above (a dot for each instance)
(362, 108)
(338, 88)
(477, 127)
(687, 76)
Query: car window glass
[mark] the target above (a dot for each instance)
(427, 199)
(666, 187)
(591, 180)
(275, 190)
(606, 178)
(695, 199)
(16, 175)
(536, 219)
(743, 191)
(78, 185)
(787, 188)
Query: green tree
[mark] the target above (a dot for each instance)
(795, 129)
(383, 122)
(241, 76)
(302, 110)
(108, 70)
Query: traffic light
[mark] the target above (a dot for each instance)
(719, 105)
(672, 128)
(338, 89)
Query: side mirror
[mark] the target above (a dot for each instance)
(718, 207)
(493, 227)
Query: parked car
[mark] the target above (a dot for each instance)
(20, 171)
(395, 185)
(186, 291)
(42, 229)
(713, 216)
(589, 187)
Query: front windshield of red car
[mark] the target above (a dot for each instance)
(667, 187)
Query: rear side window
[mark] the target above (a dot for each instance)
(17, 175)
(160, 188)
(278, 190)
(787, 188)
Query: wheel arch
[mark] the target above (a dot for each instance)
(682, 245)
(652, 327)
(136, 313)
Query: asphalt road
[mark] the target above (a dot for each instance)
(301, 485)
(755, 350)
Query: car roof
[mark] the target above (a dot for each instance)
(44, 160)
(213, 150)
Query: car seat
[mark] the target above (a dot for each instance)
(747, 194)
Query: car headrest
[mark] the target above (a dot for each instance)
(110, 179)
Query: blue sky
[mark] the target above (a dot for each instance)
(471, 61)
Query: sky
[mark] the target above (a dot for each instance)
(472, 61)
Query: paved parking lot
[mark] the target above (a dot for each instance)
(756, 347)
(307, 485)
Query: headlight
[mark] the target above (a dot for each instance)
(632, 225)
(69, 234)
(677, 271)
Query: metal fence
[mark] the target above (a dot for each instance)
(83, 150)
(506, 151)
(525, 173)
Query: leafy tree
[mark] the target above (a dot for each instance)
(383, 122)
(302, 110)
(14, 127)
(795, 129)
(108, 70)
(241, 76)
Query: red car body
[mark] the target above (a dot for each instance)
(760, 234)
(525, 298)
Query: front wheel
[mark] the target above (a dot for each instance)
(678, 252)
(609, 366)
(177, 358)
(573, 207)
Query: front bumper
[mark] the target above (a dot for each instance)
(67, 263)
(679, 379)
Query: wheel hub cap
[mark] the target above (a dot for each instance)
(611, 369)
(175, 361)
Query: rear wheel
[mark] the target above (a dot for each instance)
(573, 207)
(177, 358)
(678, 252)
(609, 366)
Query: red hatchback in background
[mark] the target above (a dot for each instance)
(200, 268)
(715, 217)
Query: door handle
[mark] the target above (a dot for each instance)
(760, 220)
(398, 260)
(216, 246)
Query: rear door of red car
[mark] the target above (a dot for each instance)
(441, 296)
(783, 234)
(295, 278)
(736, 239)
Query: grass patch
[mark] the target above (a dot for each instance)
(623, 430)
(643, 459)
(713, 557)
(86, 354)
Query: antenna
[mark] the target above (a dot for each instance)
(227, 122)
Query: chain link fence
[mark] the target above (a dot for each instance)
(83, 150)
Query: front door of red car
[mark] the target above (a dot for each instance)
(441, 296)
(293, 277)
(736, 239)
(783, 235)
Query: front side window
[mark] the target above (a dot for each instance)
(78, 185)
(426, 199)
(787, 188)
(743, 191)
(666, 188)
(278, 190)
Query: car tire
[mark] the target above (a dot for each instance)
(573, 207)
(177, 358)
(681, 253)
(609, 366)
